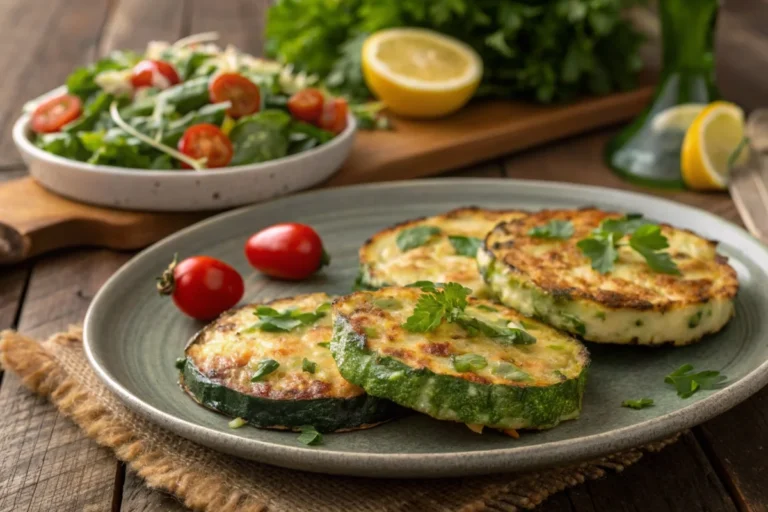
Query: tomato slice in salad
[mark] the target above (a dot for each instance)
(306, 105)
(206, 141)
(334, 115)
(154, 73)
(234, 87)
(51, 115)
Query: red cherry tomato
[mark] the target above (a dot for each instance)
(202, 287)
(234, 87)
(206, 141)
(334, 116)
(154, 73)
(52, 114)
(287, 251)
(306, 105)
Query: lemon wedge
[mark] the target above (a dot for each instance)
(420, 73)
(677, 118)
(715, 133)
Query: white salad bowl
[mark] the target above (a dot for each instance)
(181, 190)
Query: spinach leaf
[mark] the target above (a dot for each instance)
(91, 114)
(81, 82)
(63, 144)
(118, 151)
(213, 113)
(303, 136)
(260, 137)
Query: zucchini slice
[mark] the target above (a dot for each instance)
(439, 249)
(283, 377)
(450, 374)
(553, 280)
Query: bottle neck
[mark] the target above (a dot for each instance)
(688, 32)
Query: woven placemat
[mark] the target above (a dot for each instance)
(207, 480)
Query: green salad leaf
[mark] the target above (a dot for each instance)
(260, 137)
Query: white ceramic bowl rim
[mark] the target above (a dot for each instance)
(21, 133)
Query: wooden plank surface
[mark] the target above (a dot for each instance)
(46, 464)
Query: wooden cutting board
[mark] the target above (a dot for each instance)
(34, 221)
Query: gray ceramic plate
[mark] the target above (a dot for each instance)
(133, 337)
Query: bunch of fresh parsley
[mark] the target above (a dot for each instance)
(447, 302)
(546, 51)
(644, 237)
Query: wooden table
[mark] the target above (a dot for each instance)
(47, 464)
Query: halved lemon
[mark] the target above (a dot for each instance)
(709, 143)
(420, 73)
(677, 118)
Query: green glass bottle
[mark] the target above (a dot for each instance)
(648, 150)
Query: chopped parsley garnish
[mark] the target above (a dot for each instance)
(412, 238)
(387, 303)
(469, 362)
(308, 366)
(264, 368)
(465, 245)
(510, 372)
(310, 436)
(642, 403)
(237, 423)
(324, 344)
(271, 320)
(370, 332)
(181, 362)
(448, 304)
(695, 319)
(576, 323)
(687, 383)
(483, 307)
(645, 238)
(559, 229)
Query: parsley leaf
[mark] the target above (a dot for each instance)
(601, 250)
(648, 241)
(469, 362)
(560, 229)
(500, 333)
(483, 307)
(642, 403)
(271, 320)
(412, 238)
(309, 435)
(308, 366)
(687, 383)
(510, 372)
(389, 303)
(264, 368)
(448, 304)
(465, 245)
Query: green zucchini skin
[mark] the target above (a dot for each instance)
(325, 414)
(446, 397)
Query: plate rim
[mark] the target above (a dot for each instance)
(409, 465)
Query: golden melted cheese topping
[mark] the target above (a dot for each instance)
(437, 261)
(554, 357)
(229, 355)
(558, 266)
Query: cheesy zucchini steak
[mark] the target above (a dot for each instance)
(275, 370)
(452, 373)
(551, 279)
(438, 249)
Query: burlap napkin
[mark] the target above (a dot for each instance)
(206, 480)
